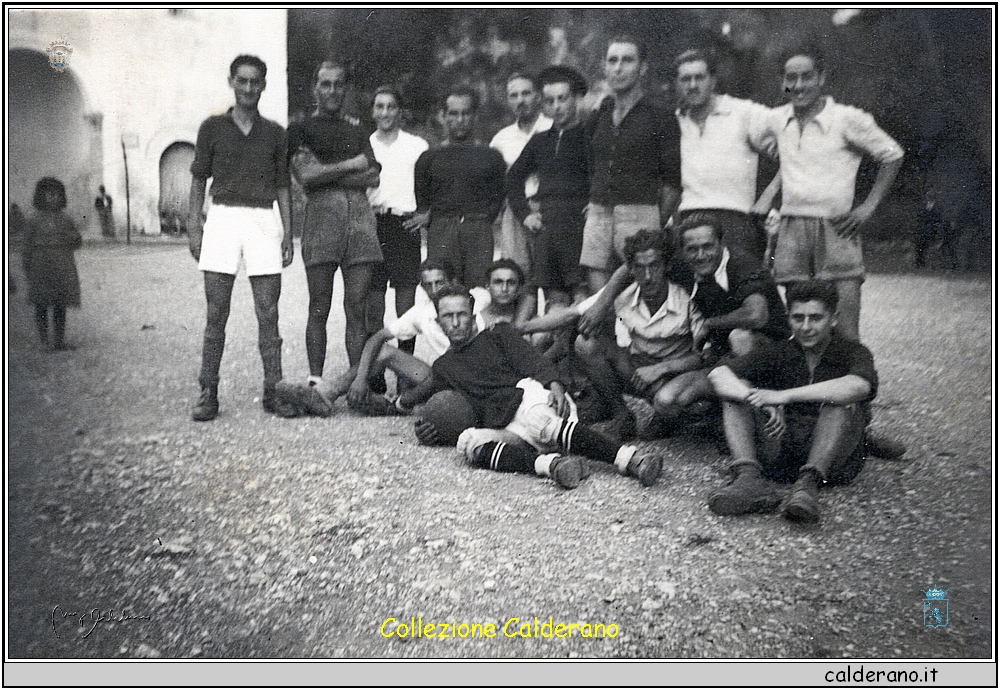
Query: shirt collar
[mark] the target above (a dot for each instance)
(721, 105)
(672, 304)
(823, 119)
(720, 276)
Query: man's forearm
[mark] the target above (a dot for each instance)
(285, 210)
(751, 315)
(844, 390)
(196, 202)
(728, 385)
(370, 351)
(883, 181)
(360, 180)
(418, 394)
(311, 173)
(549, 322)
(670, 198)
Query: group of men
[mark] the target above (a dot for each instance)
(642, 229)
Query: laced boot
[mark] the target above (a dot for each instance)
(207, 408)
(748, 493)
(803, 504)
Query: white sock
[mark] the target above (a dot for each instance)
(543, 463)
(624, 457)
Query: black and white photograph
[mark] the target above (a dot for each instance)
(626, 333)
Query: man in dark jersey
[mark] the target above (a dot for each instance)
(460, 189)
(333, 159)
(246, 157)
(523, 415)
(795, 410)
(559, 158)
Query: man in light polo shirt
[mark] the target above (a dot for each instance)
(246, 157)
(636, 173)
(524, 100)
(820, 144)
(721, 138)
(394, 204)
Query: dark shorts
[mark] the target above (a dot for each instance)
(400, 251)
(796, 443)
(466, 242)
(339, 228)
(556, 249)
(740, 231)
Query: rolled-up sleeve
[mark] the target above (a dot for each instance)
(862, 131)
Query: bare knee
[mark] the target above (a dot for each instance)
(741, 341)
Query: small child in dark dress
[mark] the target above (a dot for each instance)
(50, 239)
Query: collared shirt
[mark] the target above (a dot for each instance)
(395, 184)
(667, 334)
(719, 160)
(421, 319)
(510, 142)
(819, 162)
(461, 179)
(331, 138)
(782, 365)
(246, 169)
(632, 162)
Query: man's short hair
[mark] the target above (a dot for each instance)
(388, 90)
(523, 75)
(561, 74)
(45, 185)
(696, 55)
(640, 46)
(438, 265)
(465, 92)
(454, 290)
(645, 240)
(701, 219)
(819, 290)
(509, 264)
(329, 64)
(809, 50)
(251, 60)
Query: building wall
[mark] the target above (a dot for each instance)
(148, 78)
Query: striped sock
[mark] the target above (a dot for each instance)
(504, 457)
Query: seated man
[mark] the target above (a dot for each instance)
(514, 392)
(658, 332)
(795, 410)
(735, 293)
(508, 301)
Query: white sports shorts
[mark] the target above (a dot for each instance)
(232, 232)
(535, 421)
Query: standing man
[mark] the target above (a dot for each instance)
(721, 138)
(820, 144)
(103, 203)
(636, 166)
(247, 158)
(333, 160)
(559, 159)
(394, 203)
(460, 188)
(523, 98)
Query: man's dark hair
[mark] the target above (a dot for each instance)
(330, 64)
(438, 265)
(251, 60)
(390, 90)
(645, 240)
(809, 50)
(454, 290)
(523, 75)
(508, 264)
(560, 74)
(463, 91)
(696, 55)
(818, 290)
(45, 185)
(640, 47)
(700, 219)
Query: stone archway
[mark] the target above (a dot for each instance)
(175, 186)
(49, 133)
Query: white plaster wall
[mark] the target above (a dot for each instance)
(154, 76)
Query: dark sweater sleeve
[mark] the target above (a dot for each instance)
(421, 181)
(497, 184)
(670, 153)
(524, 358)
(524, 166)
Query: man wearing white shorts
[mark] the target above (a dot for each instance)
(246, 157)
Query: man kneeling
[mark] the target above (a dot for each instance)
(805, 400)
(518, 399)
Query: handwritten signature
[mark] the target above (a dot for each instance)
(94, 616)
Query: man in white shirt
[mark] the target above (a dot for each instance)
(524, 99)
(394, 202)
(721, 138)
(820, 144)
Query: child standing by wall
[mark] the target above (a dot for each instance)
(50, 239)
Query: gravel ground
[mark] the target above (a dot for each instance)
(253, 536)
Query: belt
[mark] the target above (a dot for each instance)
(244, 204)
(462, 217)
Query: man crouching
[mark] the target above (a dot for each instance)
(519, 403)
(805, 400)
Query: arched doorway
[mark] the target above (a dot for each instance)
(48, 133)
(175, 186)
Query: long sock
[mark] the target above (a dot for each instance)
(582, 440)
(58, 326)
(504, 457)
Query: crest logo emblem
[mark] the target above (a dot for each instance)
(59, 53)
(935, 607)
